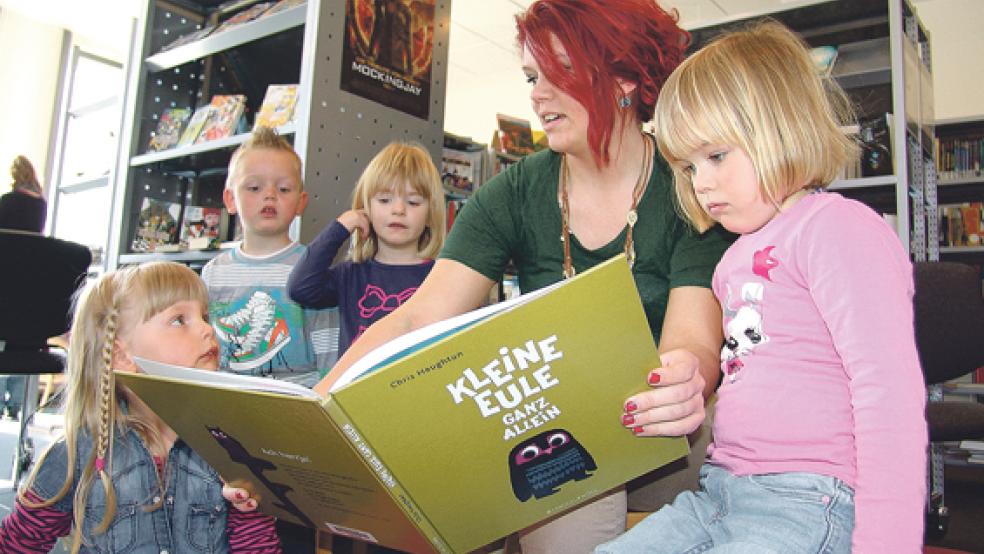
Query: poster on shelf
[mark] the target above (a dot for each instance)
(387, 53)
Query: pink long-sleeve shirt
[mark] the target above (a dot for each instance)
(820, 367)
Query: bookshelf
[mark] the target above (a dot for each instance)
(335, 131)
(959, 150)
(883, 64)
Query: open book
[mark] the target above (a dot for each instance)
(447, 438)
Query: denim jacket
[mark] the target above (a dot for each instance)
(192, 518)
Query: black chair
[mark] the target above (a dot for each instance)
(949, 321)
(39, 279)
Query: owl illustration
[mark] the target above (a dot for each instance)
(539, 465)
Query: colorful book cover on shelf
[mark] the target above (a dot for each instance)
(515, 135)
(201, 228)
(195, 125)
(876, 146)
(169, 128)
(227, 109)
(387, 53)
(157, 226)
(493, 421)
(280, 6)
(461, 171)
(278, 106)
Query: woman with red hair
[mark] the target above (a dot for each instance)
(595, 68)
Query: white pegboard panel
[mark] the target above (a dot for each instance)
(932, 212)
(344, 130)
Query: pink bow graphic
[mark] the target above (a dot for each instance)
(376, 299)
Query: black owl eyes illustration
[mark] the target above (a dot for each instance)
(539, 465)
(532, 451)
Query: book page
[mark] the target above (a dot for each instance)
(223, 379)
(409, 343)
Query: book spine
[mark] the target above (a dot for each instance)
(385, 477)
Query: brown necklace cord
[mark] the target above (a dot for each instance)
(630, 218)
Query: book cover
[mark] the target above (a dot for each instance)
(157, 226)
(876, 146)
(461, 171)
(244, 16)
(278, 106)
(201, 228)
(169, 128)
(450, 437)
(515, 135)
(195, 125)
(227, 109)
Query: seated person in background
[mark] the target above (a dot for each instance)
(819, 439)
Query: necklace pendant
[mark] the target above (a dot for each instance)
(631, 218)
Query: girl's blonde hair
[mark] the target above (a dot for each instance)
(105, 311)
(397, 165)
(22, 172)
(755, 88)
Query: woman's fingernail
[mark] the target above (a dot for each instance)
(251, 503)
(637, 430)
(240, 495)
(654, 378)
(630, 406)
(628, 419)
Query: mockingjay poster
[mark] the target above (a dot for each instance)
(387, 53)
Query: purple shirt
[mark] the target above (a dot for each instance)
(820, 366)
(363, 292)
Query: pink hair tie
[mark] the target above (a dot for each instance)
(100, 464)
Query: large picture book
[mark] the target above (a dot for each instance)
(448, 438)
(201, 228)
(195, 125)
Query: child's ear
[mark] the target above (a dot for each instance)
(301, 203)
(121, 358)
(229, 199)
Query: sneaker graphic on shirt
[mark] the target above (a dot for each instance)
(256, 332)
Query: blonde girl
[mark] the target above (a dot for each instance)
(397, 229)
(120, 480)
(24, 207)
(819, 439)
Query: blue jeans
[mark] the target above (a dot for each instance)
(777, 513)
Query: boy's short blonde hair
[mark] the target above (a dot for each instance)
(263, 137)
(396, 165)
(755, 88)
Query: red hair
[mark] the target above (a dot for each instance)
(633, 40)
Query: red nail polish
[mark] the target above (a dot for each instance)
(637, 430)
(630, 406)
(240, 495)
(628, 419)
(654, 378)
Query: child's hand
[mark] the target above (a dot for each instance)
(675, 406)
(356, 220)
(239, 498)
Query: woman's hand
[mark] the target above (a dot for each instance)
(239, 498)
(675, 405)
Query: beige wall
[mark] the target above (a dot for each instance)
(29, 71)
(957, 40)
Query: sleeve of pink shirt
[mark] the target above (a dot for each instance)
(861, 280)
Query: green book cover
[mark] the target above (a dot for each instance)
(449, 438)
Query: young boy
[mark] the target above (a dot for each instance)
(261, 331)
